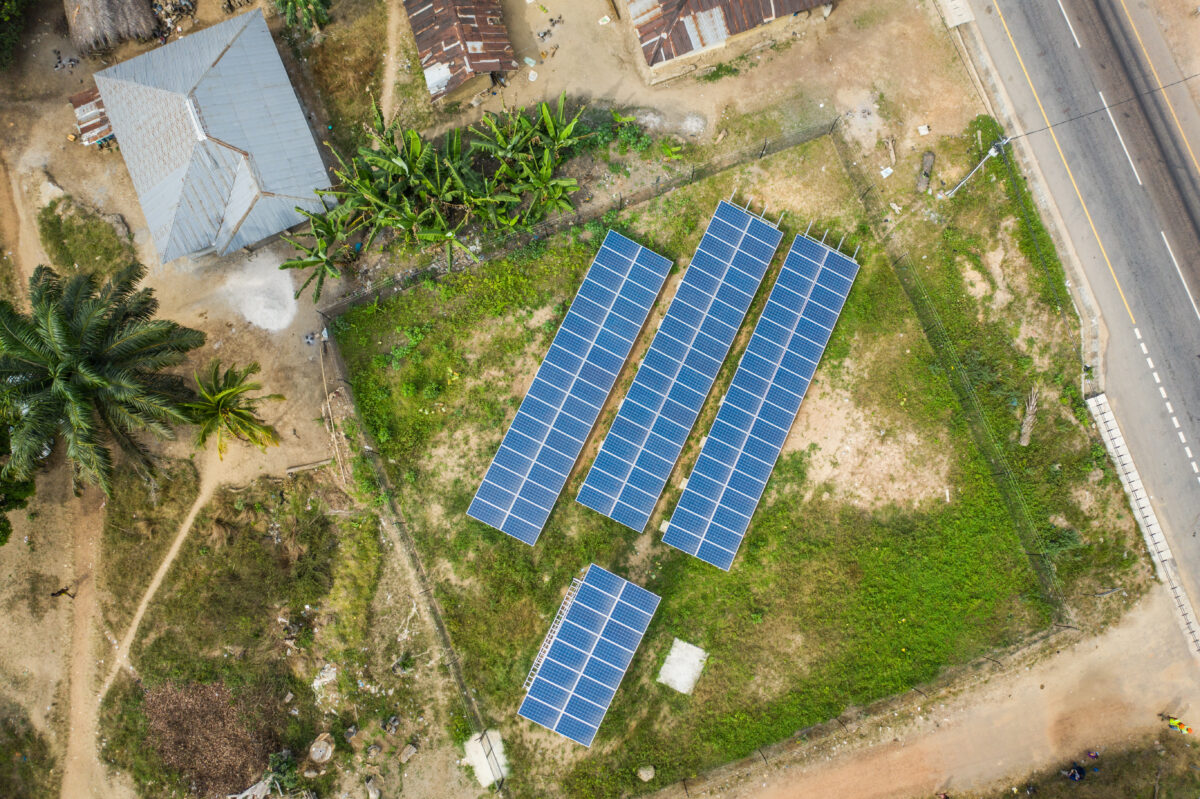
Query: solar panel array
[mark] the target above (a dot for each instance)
(588, 655)
(546, 436)
(657, 415)
(762, 402)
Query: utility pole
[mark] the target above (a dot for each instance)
(992, 152)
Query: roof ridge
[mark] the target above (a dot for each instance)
(668, 29)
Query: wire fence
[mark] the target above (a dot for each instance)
(653, 184)
(940, 340)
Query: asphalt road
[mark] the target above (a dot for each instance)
(1119, 156)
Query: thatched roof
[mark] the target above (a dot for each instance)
(103, 23)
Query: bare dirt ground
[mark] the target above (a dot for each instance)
(1180, 23)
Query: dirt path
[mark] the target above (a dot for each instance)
(391, 60)
(83, 774)
(210, 478)
(1102, 692)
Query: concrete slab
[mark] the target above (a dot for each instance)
(682, 667)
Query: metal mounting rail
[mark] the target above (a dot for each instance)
(558, 620)
(1160, 552)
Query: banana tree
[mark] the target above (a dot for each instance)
(547, 193)
(323, 256)
(556, 132)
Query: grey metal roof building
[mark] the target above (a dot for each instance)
(215, 141)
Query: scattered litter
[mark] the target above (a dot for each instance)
(604, 20)
(923, 130)
(529, 62)
(895, 208)
(532, 75)
(886, 172)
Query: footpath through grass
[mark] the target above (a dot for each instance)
(832, 602)
(274, 580)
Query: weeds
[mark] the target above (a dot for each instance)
(77, 238)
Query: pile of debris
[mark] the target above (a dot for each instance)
(170, 15)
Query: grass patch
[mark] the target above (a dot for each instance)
(268, 552)
(27, 767)
(830, 603)
(9, 289)
(347, 68)
(143, 516)
(75, 237)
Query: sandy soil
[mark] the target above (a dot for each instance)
(1180, 24)
(862, 460)
(1097, 693)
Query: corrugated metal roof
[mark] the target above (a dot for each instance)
(214, 138)
(458, 39)
(671, 28)
(90, 118)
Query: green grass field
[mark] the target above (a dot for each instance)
(832, 602)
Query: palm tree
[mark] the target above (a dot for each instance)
(225, 408)
(85, 367)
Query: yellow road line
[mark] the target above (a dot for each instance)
(1063, 156)
(1161, 89)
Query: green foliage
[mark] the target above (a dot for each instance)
(141, 519)
(722, 70)
(76, 238)
(225, 408)
(14, 492)
(501, 177)
(459, 728)
(12, 25)
(304, 15)
(325, 255)
(283, 769)
(86, 367)
(255, 554)
(26, 761)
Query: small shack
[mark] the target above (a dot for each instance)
(97, 24)
(90, 117)
(214, 138)
(462, 43)
(671, 29)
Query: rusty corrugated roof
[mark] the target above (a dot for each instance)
(90, 116)
(668, 29)
(458, 39)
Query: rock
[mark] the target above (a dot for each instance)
(645, 773)
(350, 732)
(391, 725)
(373, 750)
(372, 789)
(406, 754)
(310, 773)
(321, 750)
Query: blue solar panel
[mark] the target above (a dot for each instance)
(561, 406)
(657, 415)
(761, 404)
(588, 654)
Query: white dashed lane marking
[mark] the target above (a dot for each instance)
(1162, 391)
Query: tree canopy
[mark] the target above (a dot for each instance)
(86, 366)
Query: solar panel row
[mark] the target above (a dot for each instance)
(670, 387)
(588, 655)
(561, 407)
(762, 402)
